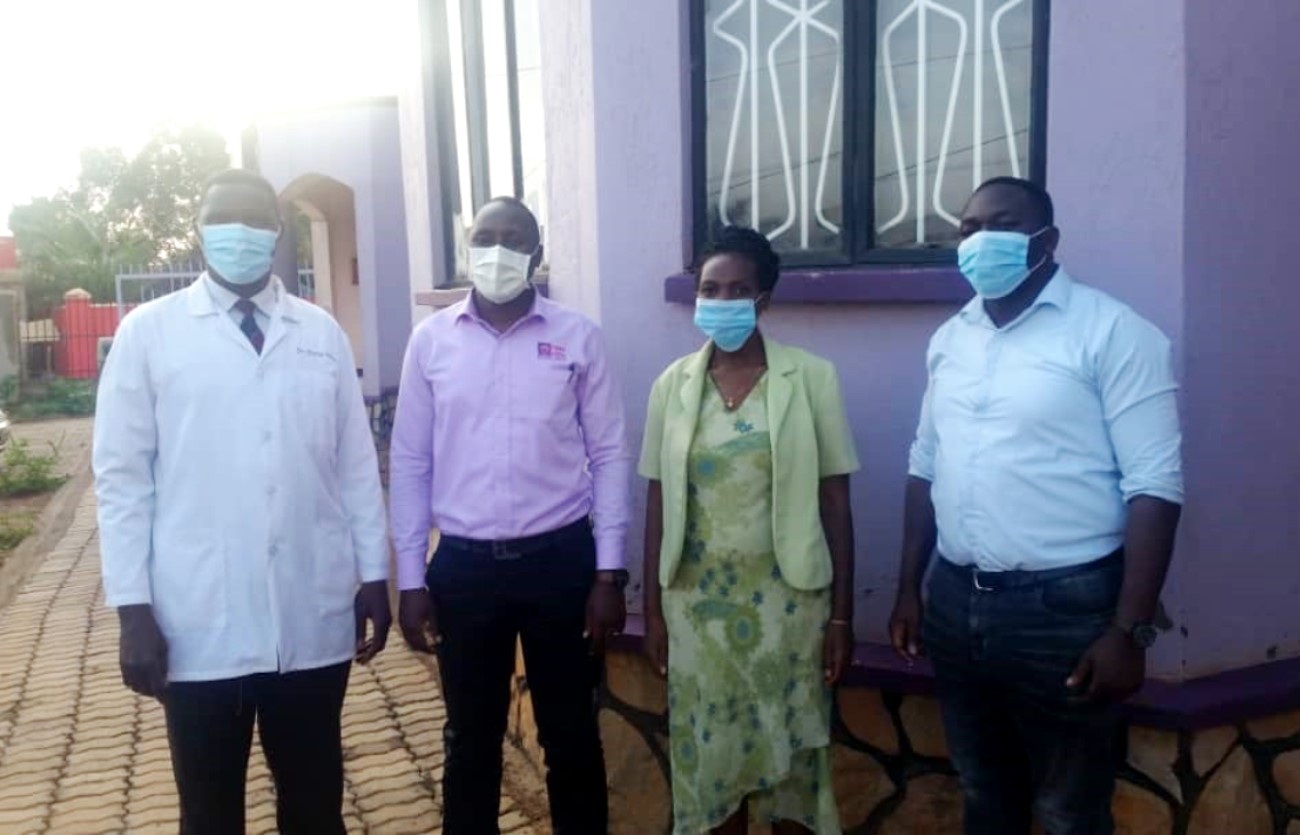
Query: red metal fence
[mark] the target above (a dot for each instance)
(68, 343)
(81, 324)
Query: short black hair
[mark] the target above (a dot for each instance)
(241, 177)
(747, 243)
(509, 200)
(1037, 195)
(516, 203)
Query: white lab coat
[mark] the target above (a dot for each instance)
(238, 494)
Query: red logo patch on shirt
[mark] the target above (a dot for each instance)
(548, 351)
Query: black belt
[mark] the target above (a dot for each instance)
(1002, 580)
(506, 549)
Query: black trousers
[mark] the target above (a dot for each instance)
(1022, 743)
(298, 716)
(485, 604)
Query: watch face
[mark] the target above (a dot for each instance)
(1144, 635)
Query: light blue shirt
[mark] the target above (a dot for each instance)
(1035, 436)
(265, 300)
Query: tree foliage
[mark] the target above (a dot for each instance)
(123, 211)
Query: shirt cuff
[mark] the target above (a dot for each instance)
(1165, 492)
(410, 571)
(376, 575)
(920, 462)
(611, 553)
(120, 600)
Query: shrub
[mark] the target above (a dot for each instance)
(59, 398)
(9, 391)
(26, 473)
(14, 528)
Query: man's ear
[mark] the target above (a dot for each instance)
(538, 255)
(1051, 240)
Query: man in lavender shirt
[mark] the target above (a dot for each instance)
(509, 439)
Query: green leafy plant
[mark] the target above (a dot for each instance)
(14, 528)
(25, 473)
(71, 397)
(59, 397)
(9, 390)
(124, 209)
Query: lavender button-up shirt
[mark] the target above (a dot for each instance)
(506, 435)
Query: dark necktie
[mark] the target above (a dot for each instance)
(249, 323)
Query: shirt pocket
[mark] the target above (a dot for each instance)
(336, 579)
(313, 404)
(550, 394)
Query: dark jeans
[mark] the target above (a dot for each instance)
(1021, 744)
(484, 604)
(210, 728)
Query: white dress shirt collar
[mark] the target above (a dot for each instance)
(225, 299)
(1056, 293)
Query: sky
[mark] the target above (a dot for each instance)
(90, 73)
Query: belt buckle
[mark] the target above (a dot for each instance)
(975, 578)
(502, 551)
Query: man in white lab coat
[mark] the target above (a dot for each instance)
(241, 522)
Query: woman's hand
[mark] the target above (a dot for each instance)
(656, 630)
(837, 523)
(837, 650)
(656, 643)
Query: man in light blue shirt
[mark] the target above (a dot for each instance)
(1046, 473)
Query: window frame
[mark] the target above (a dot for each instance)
(858, 130)
(453, 201)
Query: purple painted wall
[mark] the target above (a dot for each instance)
(1115, 163)
(1170, 136)
(624, 230)
(1241, 539)
(357, 144)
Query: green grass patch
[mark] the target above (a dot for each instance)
(25, 472)
(14, 528)
(60, 397)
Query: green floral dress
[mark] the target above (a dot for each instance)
(749, 715)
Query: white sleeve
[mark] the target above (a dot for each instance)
(125, 448)
(1139, 397)
(363, 497)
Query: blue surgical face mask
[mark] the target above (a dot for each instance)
(996, 263)
(729, 323)
(237, 253)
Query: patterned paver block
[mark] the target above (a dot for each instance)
(79, 753)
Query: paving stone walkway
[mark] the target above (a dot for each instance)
(80, 754)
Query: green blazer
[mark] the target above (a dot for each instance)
(810, 441)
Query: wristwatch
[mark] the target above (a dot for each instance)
(617, 578)
(1143, 634)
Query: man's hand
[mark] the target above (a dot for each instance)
(656, 643)
(142, 652)
(1111, 670)
(372, 605)
(905, 626)
(837, 650)
(419, 622)
(606, 612)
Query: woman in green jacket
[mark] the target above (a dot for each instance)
(748, 558)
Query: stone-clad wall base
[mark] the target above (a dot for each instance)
(893, 776)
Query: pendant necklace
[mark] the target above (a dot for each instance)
(731, 402)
